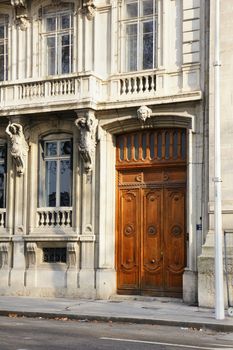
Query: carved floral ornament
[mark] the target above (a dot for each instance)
(87, 125)
(19, 146)
(144, 113)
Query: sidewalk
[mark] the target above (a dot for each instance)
(147, 310)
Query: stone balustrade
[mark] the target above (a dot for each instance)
(54, 217)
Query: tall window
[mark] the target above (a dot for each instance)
(140, 34)
(3, 48)
(2, 175)
(56, 173)
(58, 41)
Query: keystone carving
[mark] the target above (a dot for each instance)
(31, 253)
(4, 250)
(19, 146)
(87, 125)
(89, 9)
(71, 254)
(144, 113)
(21, 15)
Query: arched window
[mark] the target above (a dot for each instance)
(56, 171)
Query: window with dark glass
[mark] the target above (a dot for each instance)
(58, 41)
(2, 176)
(140, 34)
(3, 48)
(56, 173)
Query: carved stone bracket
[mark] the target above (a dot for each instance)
(71, 254)
(19, 146)
(21, 14)
(31, 253)
(89, 9)
(144, 113)
(4, 254)
(87, 125)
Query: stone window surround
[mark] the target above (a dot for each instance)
(57, 33)
(122, 37)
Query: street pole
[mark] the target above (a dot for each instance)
(219, 287)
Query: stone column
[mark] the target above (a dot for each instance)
(19, 153)
(87, 125)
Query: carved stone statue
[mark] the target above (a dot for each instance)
(143, 113)
(21, 14)
(19, 3)
(87, 125)
(19, 146)
(89, 9)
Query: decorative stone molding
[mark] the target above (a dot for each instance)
(144, 113)
(4, 251)
(21, 14)
(87, 125)
(89, 9)
(31, 253)
(56, 2)
(71, 254)
(19, 3)
(19, 146)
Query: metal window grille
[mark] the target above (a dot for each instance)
(54, 255)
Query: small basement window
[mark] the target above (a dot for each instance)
(54, 255)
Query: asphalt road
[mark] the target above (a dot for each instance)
(32, 334)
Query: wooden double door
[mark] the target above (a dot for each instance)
(151, 231)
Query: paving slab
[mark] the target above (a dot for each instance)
(160, 311)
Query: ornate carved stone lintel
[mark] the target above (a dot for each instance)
(87, 125)
(31, 253)
(144, 113)
(4, 254)
(19, 146)
(71, 254)
(89, 9)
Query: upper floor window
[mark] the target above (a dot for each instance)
(56, 172)
(2, 175)
(140, 28)
(58, 40)
(3, 47)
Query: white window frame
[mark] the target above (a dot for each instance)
(53, 12)
(156, 17)
(4, 21)
(42, 170)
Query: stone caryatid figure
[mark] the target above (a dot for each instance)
(21, 14)
(87, 125)
(19, 146)
(144, 113)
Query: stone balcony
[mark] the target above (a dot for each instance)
(77, 91)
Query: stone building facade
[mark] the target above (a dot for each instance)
(104, 153)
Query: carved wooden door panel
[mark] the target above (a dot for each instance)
(129, 240)
(174, 239)
(151, 251)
